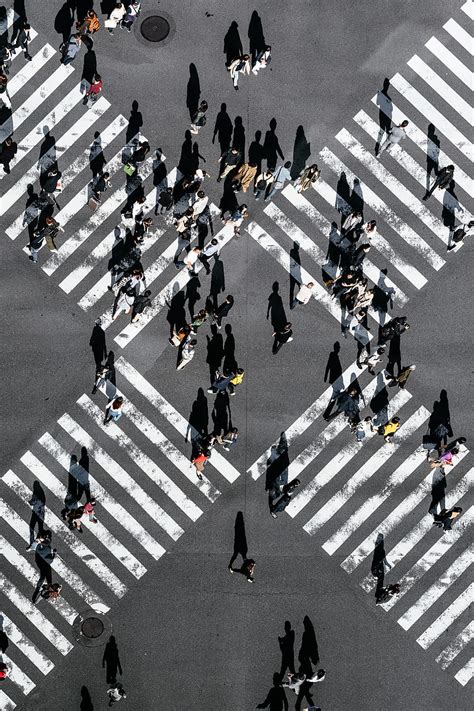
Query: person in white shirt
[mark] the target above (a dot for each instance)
(187, 352)
(191, 259)
(211, 250)
(396, 134)
(115, 17)
(263, 59)
(304, 294)
(200, 204)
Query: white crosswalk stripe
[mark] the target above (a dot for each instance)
(30, 650)
(460, 35)
(17, 676)
(468, 8)
(5, 702)
(447, 617)
(445, 91)
(448, 59)
(456, 646)
(465, 674)
(30, 69)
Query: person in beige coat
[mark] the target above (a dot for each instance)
(245, 175)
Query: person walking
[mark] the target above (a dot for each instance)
(200, 461)
(165, 201)
(22, 40)
(46, 235)
(70, 49)
(351, 223)
(280, 504)
(236, 217)
(263, 59)
(262, 184)
(241, 65)
(94, 90)
(229, 439)
(7, 153)
(236, 380)
(228, 162)
(247, 568)
(442, 180)
(395, 135)
(402, 377)
(446, 518)
(211, 250)
(388, 430)
(131, 14)
(114, 409)
(90, 25)
(223, 310)
(282, 174)
(244, 177)
(199, 117)
(115, 17)
(116, 693)
(50, 185)
(199, 320)
(187, 352)
(308, 177)
(191, 259)
(385, 593)
(363, 429)
(282, 336)
(221, 382)
(142, 302)
(199, 205)
(304, 294)
(100, 185)
(466, 230)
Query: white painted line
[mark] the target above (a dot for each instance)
(456, 646)
(97, 219)
(390, 523)
(466, 673)
(21, 528)
(172, 416)
(430, 558)
(451, 61)
(128, 484)
(142, 460)
(108, 136)
(386, 213)
(166, 294)
(442, 88)
(444, 582)
(36, 135)
(424, 526)
(460, 35)
(59, 527)
(370, 270)
(6, 704)
(29, 70)
(20, 564)
(303, 277)
(444, 197)
(426, 145)
(98, 530)
(432, 115)
(397, 188)
(447, 617)
(17, 676)
(468, 8)
(366, 471)
(30, 650)
(306, 419)
(34, 616)
(54, 154)
(371, 504)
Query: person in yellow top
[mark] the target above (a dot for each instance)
(390, 428)
(236, 380)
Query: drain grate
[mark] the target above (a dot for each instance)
(155, 28)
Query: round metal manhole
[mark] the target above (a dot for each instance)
(155, 28)
(92, 627)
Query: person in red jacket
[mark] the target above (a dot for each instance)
(94, 90)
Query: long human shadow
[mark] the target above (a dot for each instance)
(217, 285)
(287, 648)
(295, 273)
(221, 414)
(275, 308)
(301, 153)
(230, 362)
(240, 540)
(135, 122)
(223, 129)
(271, 146)
(439, 424)
(86, 700)
(64, 19)
(379, 562)
(276, 697)
(215, 351)
(232, 43)
(256, 37)
(333, 369)
(384, 102)
(276, 474)
(111, 661)
(309, 651)
(38, 505)
(193, 90)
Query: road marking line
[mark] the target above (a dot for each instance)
(6, 704)
(17, 676)
(468, 8)
(442, 88)
(466, 673)
(447, 618)
(26, 647)
(28, 71)
(451, 61)
(456, 646)
(460, 35)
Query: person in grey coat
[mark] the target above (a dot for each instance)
(395, 135)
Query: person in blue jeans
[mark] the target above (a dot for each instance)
(282, 174)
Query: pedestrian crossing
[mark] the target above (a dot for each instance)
(142, 509)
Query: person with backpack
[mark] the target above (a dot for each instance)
(70, 49)
(133, 10)
(114, 409)
(100, 185)
(241, 65)
(466, 230)
(165, 201)
(262, 183)
(442, 181)
(199, 117)
(90, 25)
(22, 40)
(282, 174)
(116, 693)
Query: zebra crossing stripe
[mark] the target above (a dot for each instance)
(466, 673)
(26, 647)
(303, 277)
(117, 549)
(387, 214)
(432, 114)
(457, 645)
(181, 425)
(107, 136)
(370, 270)
(6, 704)
(367, 470)
(143, 461)
(398, 189)
(54, 154)
(30, 69)
(390, 523)
(20, 564)
(128, 484)
(409, 541)
(426, 145)
(354, 521)
(444, 582)
(11, 18)
(380, 244)
(306, 419)
(451, 61)
(460, 35)
(17, 676)
(413, 168)
(33, 615)
(21, 528)
(468, 8)
(430, 558)
(445, 91)
(447, 617)
(77, 547)
(103, 212)
(166, 294)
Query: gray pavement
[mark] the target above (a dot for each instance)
(189, 633)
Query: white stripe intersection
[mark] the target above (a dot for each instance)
(30, 650)
(442, 88)
(456, 646)
(447, 617)
(451, 61)
(30, 69)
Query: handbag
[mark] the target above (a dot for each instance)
(129, 168)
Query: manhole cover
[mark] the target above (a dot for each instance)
(155, 28)
(92, 627)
